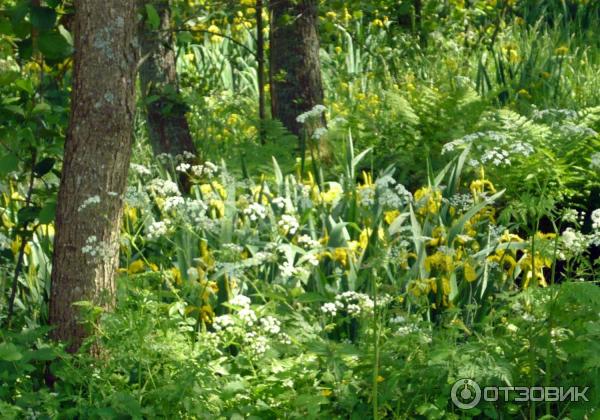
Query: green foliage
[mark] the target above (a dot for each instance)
(338, 284)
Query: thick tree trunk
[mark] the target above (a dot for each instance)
(96, 160)
(168, 128)
(296, 84)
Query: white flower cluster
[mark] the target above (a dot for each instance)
(554, 114)
(595, 161)
(573, 216)
(366, 196)
(140, 169)
(390, 194)
(223, 322)
(574, 130)
(461, 202)
(315, 112)
(279, 202)
(88, 202)
(163, 187)
(95, 248)
(208, 169)
(288, 270)
(289, 224)
(173, 203)
(307, 242)
(158, 229)
(319, 132)
(574, 242)
(136, 198)
(496, 156)
(255, 211)
(352, 303)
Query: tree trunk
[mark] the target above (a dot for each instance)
(96, 160)
(296, 85)
(168, 128)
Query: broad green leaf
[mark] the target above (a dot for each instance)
(153, 18)
(47, 213)
(43, 167)
(54, 45)
(43, 18)
(9, 352)
(8, 163)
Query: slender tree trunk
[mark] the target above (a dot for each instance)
(260, 57)
(296, 84)
(96, 160)
(168, 128)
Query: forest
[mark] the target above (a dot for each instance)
(280, 209)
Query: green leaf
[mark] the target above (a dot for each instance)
(28, 214)
(66, 34)
(43, 167)
(44, 354)
(153, 18)
(54, 45)
(43, 18)
(47, 213)
(9, 352)
(8, 163)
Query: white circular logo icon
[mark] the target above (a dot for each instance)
(465, 393)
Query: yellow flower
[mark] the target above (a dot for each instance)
(421, 287)
(340, 255)
(478, 187)
(524, 94)
(176, 276)
(432, 198)
(206, 313)
(326, 392)
(16, 246)
(335, 190)
(390, 216)
(439, 261)
(533, 268)
(469, 271)
(377, 23)
(136, 267)
(563, 50)
(380, 379)
(509, 237)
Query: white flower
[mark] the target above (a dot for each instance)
(279, 202)
(89, 201)
(595, 219)
(595, 163)
(308, 243)
(329, 308)
(316, 111)
(183, 167)
(192, 273)
(255, 211)
(158, 229)
(223, 322)
(241, 300)
(172, 203)
(288, 224)
(574, 242)
(140, 169)
(163, 187)
(248, 316)
(271, 325)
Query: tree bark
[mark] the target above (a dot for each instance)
(168, 128)
(96, 160)
(296, 84)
